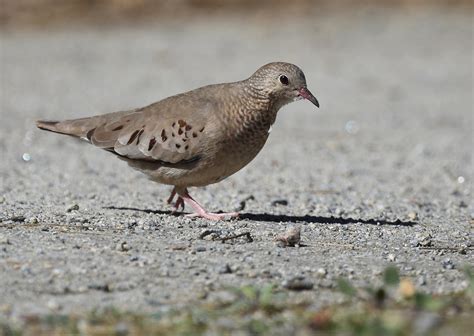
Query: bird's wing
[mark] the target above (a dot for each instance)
(173, 131)
(155, 133)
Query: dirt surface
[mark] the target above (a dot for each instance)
(380, 175)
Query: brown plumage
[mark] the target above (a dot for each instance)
(195, 138)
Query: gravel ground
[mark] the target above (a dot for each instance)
(380, 175)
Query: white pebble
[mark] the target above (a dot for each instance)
(26, 157)
(321, 272)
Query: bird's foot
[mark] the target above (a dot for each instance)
(214, 216)
(199, 210)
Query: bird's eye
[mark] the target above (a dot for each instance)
(284, 80)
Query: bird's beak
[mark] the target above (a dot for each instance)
(306, 94)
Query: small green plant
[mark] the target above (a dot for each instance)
(393, 308)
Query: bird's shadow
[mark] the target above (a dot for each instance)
(264, 217)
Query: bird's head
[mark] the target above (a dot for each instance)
(282, 83)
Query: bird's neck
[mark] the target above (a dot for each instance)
(258, 109)
(253, 112)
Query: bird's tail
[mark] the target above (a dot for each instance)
(82, 127)
(76, 128)
(48, 125)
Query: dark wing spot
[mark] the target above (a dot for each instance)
(181, 123)
(180, 131)
(202, 129)
(139, 135)
(194, 135)
(152, 143)
(172, 134)
(188, 127)
(133, 137)
(163, 135)
(118, 128)
(186, 147)
(184, 140)
(172, 125)
(178, 145)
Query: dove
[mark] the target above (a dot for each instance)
(196, 138)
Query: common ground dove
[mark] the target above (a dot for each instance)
(198, 137)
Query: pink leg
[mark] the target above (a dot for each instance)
(200, 211)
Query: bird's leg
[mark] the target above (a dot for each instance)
(200, 211)
(179, 204)
(173, 193)
(179, 201)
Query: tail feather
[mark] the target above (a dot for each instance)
(48, 125)
(77, 128)
(82, 127)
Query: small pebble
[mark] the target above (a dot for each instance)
(291, 237)
(448, 264)
(179, 247)
(321, 272)
(280, 202)
(423, 240)
(298, 284)
(32, 220)
(122, 246)
(200, 249)
(252, 274)
(72, 207)
(224, 269)
(421, 281)
(26, 157)
(412, 216)
(4, 240)
(462, 249)
(53, 305)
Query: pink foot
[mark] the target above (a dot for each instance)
(200, 211)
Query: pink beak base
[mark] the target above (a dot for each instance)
(306, 94)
